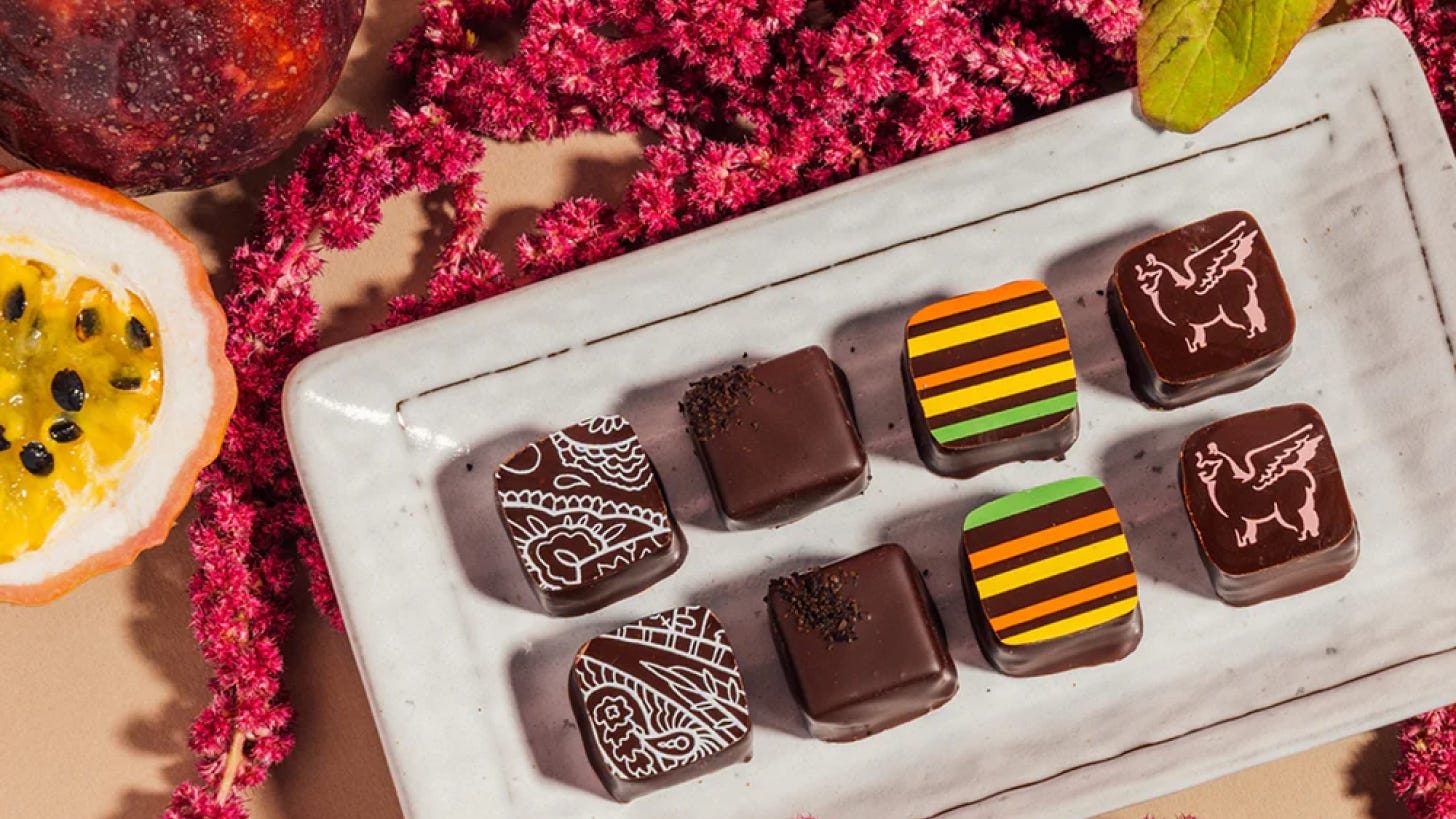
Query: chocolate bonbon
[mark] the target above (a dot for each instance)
(989, 379)
(778, 439)
(1268, 505)
(660, 701)
(1049, 581)
(861, 644)
(1201, 310)
(587, 517)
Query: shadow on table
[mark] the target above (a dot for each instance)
(1368, 777)
(337, 767)
(160, 631)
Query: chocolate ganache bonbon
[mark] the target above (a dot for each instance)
(861, 644)
(989, 379)
(587, 517)
(660, 701)
(1201, 310)
(1049, 581)
(778, 439)
(1268, 505)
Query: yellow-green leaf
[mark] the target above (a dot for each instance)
(1196, 59)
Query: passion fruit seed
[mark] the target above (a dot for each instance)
(137, 335)
(36, 459)
(4, 444)
(65, 431)
(15, 304)
(126, 381)
(69, 392)
(88, 324)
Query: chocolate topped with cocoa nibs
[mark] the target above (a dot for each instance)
(711, 403)
(861, 644)
(777, 440)
(820, 603)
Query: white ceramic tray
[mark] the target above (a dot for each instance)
(1343, 159)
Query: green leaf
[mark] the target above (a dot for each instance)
(1196, 59)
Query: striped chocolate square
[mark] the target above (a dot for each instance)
(1050, 583)
(990, 379)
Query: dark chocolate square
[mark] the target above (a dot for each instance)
(586, 516)
(861, 644)
(1267, 503)
(989, 379)
(660, 701)
(777, 439)
(1201, 310)
(1049, 580)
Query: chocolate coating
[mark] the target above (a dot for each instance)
(587, 517)
(1049, 581)
(989, 379)
(1201, 310)
(660, 701)
(1268, 505)
(892, 668)
(777, 440)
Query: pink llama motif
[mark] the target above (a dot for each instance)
(1273, 484)
(1213, 287)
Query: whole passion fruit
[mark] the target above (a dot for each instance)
(150, 95)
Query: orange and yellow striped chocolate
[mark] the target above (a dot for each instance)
(1050, 562)
(992, 365)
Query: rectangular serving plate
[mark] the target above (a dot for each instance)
(1343, 159)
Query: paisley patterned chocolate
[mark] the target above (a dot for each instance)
(586, 515)
(660, 700)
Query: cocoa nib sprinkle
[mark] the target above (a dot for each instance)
(711, 403)
(820, 603)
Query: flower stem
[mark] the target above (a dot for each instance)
(230, 768)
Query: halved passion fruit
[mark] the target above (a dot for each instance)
(114, 391)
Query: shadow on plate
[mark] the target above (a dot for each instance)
(932, 537)
(1078, 280)
(465, 487)
(1368, 777)
(739, 603)
(1141, 473)
(868, 349)
(652, 409)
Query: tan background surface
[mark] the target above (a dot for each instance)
(97, 691)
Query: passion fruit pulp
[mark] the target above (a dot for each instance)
(80, 384)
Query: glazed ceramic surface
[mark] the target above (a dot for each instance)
(1343, 160)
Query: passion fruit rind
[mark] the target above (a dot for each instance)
(80, 384)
